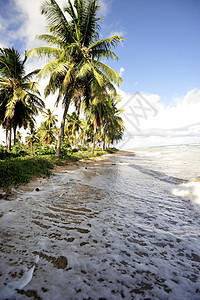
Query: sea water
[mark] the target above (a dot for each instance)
(130, 230)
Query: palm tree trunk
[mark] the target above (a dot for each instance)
(61, 131)
(104, 138)
(14, 131)
(104, 142)
(95, 135)
(75, 140)
(84, 133)
(83, 139)
(9, 138)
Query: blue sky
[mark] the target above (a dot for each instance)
(160, 57)
(161, 53)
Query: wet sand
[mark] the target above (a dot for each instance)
(98, 230)
(10, 193)
(52, 240)
(92, 162)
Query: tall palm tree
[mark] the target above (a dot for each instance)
(19, 97)
(32, 139)
(77, 69)
(46, 134)
(113, 125)
(73, 125)
(96, 114)
(51, 119)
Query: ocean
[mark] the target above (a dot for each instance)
(130, 230)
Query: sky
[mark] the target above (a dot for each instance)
(159, 62)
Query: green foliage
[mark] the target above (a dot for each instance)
(19, 96)
(66, 144)
(18, 151)
(21, 170)
(17, 168)
(111, 150)
(45, 150)
(74, 150)
(3, 153)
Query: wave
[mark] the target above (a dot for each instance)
(189, 190)
(159, 175)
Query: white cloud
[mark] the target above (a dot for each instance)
(105, 6)
(23, 22)
(34, 23)
(149, 122)
(121, 71)
(120, 33)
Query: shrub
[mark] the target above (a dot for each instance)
(45, 150)
(21, 170)
(18, 151)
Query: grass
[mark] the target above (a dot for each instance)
(16, 169)
(21, 169)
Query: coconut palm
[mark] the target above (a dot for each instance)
(46, 134)
(113, 125)
(31, 139)
(106, 120)
(114, 130)
(19, 97)
(51, 119)
(73, 126)
(77, 70)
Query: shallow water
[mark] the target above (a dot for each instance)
(111, 232)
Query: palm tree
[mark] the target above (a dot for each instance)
(46, 134)
(77, 69)
(19, 97)
(50, 118)
(113, 125)
(105, 117)
(73, 126)
(32, 139)
(96, 114)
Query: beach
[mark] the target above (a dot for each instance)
(109, 228)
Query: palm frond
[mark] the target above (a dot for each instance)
(109, 72)
(48, 52)
(30, 75)
(48, 69)
(30, 87)
(106, 44)
(90, 25)
(50, 39)
(57, 23)
(102, 54)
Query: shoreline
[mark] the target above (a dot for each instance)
(11, 192)
(91, 162)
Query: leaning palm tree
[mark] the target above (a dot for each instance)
(77, 68)
(19, 97)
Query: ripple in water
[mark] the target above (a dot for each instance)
(113, 232)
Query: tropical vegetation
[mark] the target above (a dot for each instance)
(19, 96)
(76, 70)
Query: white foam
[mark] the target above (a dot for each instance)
(19, 284)
(189, 190)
